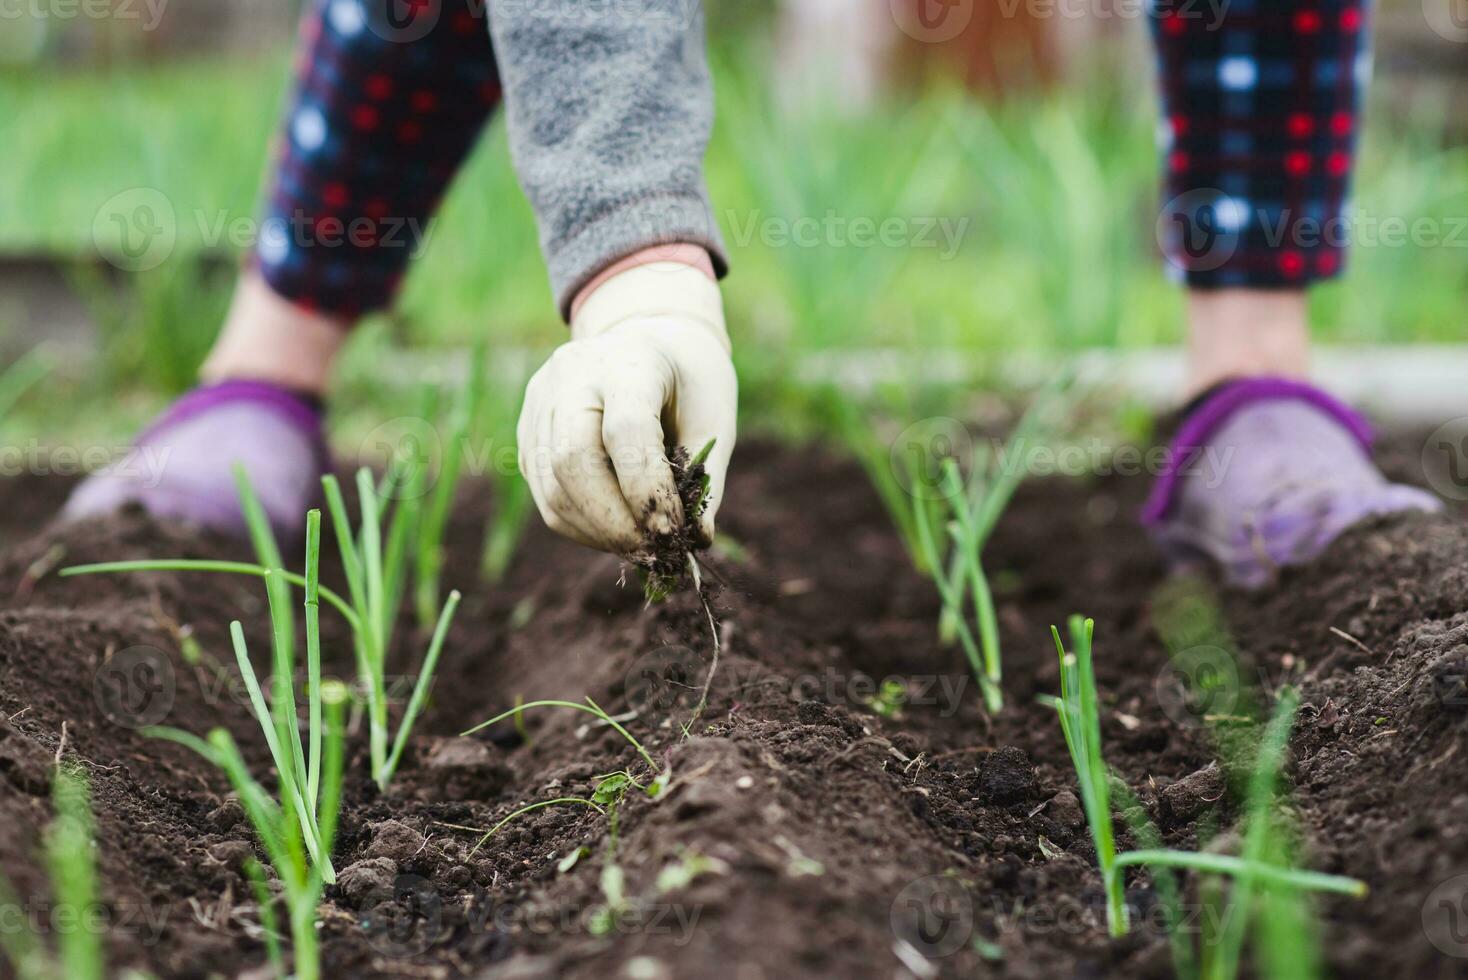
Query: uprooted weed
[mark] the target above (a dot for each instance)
(672, 564)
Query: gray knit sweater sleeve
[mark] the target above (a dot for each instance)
(610, 108)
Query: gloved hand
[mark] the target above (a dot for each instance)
(647, 367)
(190, 452)
(1269, 472)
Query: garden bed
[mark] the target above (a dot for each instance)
(805, 827)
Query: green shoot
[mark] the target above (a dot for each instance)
(374, 582)
(281, 832)
(969, 509)
(429, 555)
(69, 854)
(1080, 721)
(498, 414)
(20, 377)
(590, 708)
(298, 826)
(512, 509)
(269, 925)
(375, 565)
(876, 459)
(73, 869)
(573, 800)
(1078, 708)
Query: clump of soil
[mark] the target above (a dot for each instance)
(670, 568)
(802, 833)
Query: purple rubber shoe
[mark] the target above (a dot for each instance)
(1267, 472)
(184, 464)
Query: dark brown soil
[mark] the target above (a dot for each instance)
(812, 831)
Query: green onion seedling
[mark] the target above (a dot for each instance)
(375, 565)
(429, 554)
(70, 857)
(1079, 712)
(20, 377)
(297, 829)
(951, 528)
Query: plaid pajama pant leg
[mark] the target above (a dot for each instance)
(1261, 103)
(381, 117)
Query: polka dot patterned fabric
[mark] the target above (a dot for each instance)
(389, 100)
(1261, 100)
(1260, 103)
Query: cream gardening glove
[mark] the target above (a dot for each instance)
(647, 367)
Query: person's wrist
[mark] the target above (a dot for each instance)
(683, 253)
(666, 289)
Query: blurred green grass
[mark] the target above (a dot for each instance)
(1053, 193)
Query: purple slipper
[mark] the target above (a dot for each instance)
(182, 464)
(1268, 472)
